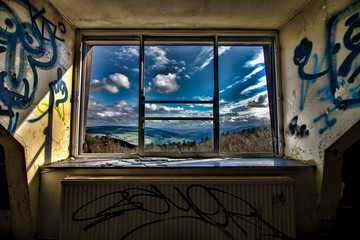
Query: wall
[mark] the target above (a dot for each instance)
(320, 82)
(51, 178)
(36, 58)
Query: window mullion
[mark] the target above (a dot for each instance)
(216, 98)
(141, 137)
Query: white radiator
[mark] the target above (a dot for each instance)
(177, 208)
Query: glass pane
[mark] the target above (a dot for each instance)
(179, 136)
(244, 105)
(179, 110)
(179, 73)
(112, 116)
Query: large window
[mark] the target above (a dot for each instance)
(178, 96)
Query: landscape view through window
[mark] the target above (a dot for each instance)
(172, 74)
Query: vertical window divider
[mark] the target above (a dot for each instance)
(216, 98)
(190, 113)
(141, 136)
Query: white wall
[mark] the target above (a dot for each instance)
(36, 58)
(319, 102)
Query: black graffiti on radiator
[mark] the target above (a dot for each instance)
(134, 199)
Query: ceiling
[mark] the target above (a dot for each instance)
(244, 14)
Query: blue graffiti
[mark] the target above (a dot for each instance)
(57, 86)
(301, 57)
(304, 89)
(348, 68)
(328, 123)
(26, 45)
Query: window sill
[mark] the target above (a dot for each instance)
(252, 163)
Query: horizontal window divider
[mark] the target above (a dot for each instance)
(179, 118)
(171, 40)
(181, 102)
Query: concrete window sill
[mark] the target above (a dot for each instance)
(267, 163)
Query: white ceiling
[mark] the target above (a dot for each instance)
(246, 14)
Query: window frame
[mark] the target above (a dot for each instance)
(117, 37)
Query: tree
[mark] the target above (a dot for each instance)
(108, 134)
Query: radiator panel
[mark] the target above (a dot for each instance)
(177, 208)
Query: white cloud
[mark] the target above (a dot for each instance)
(118, 113)
(260, 84)
(155, 109)
(250, 111)
(204, 98)
(120, 80)
(206, 55)
(111, 84)
(258, 59)
(165, 83)
(158, 56)
(256, 70)
(223, 49)
(127, 52)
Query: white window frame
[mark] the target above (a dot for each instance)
(117, 37)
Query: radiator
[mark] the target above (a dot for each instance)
(177, 208)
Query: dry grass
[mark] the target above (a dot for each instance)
(257, 139)
(107, 144)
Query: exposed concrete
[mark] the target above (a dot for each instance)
(307, 104)
(255, 14)
(50, 190)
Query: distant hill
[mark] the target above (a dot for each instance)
(112, 129)
(154, 135)
(115, 139)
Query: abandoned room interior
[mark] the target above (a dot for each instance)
(192, 119)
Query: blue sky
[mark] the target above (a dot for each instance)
(178, 73)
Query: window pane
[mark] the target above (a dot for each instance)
(179, 136)
(244, 105)
(179, 110)
(179, 73)
(112, 115)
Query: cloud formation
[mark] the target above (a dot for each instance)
(119, 113)
(160, 109)
(260, 102)
(127, 52)
(259, 85)
(111, 84)
(165, 83)
(158, 56)
(206, 55)
(240, 79)
(257, 59)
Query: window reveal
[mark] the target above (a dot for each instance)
(189, 98)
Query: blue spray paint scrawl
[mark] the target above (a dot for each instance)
(28, 45)
(348, 69)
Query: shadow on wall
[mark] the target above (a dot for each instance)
(31, 51)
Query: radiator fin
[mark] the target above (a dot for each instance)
(177, 208)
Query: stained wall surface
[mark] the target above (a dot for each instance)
(320, 82)
(36, 58)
